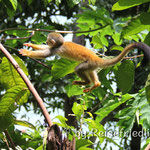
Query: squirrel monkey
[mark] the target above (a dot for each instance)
(89, 62)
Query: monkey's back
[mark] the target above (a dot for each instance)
(77, 52)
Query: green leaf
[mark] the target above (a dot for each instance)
(127, 118)
(92, 1)
(144, 118)
(96, 40)
(73, 90)
(63, 67)
(147, 39)
(9, 77)
(125, 4)
(137, 25)
(114, 47)
(10, 13)
(6, 120)
(78, 109)
(113, 141)
(8, 103)
(147, 88)
(38, 38)
(96, 128)
(14, 4)
(24, 123)
(72, 3)
(82, 144)
(62, 120)
(125, 76)
(110, 106)
(116, 37)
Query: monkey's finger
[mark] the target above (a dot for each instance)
(23, 52)
(28, 44)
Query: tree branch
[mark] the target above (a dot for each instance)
(29, 84)
(10, 139)
(58, 31)
(18, 38)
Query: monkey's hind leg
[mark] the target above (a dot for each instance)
(94, 78)
(81, 71)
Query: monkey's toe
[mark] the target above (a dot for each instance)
(87, 90)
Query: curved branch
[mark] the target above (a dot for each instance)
(18, 38)
(29, 84)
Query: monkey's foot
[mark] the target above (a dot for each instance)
(92, 88)
(79, 83)
(87, 90)
(24, 52)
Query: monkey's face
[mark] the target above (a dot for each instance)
(54, 39)
(50, 42)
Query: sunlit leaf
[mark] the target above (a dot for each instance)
(63, 67)
(125, 4)
(137, 25)
(73, 90)
(9, 77)
(24, 123)
(82, 144)
(14, 4)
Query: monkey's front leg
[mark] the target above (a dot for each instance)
(35, 46)
(40, 54)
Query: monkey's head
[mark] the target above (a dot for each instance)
(55, 39)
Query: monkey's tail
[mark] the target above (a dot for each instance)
(144, 47)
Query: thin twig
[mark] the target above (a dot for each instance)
(29, 84)
(10, 140)
(18, 38)
(58, 31)
(132, 57)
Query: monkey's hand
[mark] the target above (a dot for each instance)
(24, 52)
(28, 44)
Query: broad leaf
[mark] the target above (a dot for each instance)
(125, 76)
(147, 39)
(82, 144)
(63, 67)
(24, 123)
(6, 120)
(78, 109)
(147, 88)
(110, 106)
(137, 25)
(8, 103)
(9, 77)
(14, 4)
(73, 90)
(125, 4)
